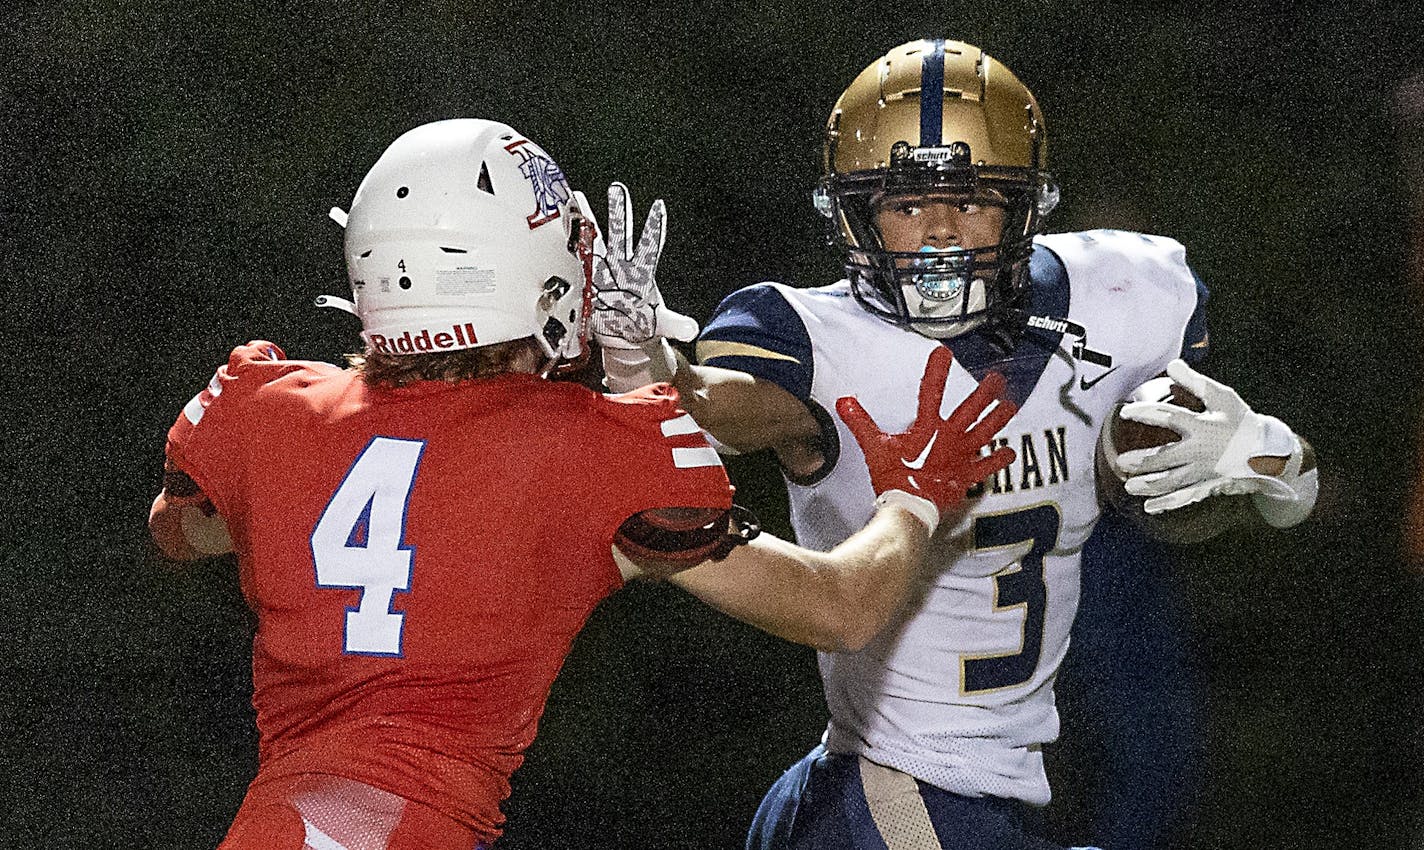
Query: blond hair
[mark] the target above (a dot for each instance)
(467, 364)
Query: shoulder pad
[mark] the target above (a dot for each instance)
(756, 330)
(256, 351)
(249, 368)
(1122, 243)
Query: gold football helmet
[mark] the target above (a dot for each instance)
(939, 118)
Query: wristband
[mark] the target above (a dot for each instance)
(1286, 511)
(1283, 510)
(1278, 440)
(923, 509)
(626, 369)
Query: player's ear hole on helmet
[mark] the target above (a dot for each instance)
(554, 289)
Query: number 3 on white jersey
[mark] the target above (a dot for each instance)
(359, 542)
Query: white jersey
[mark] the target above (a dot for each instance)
(958, 691)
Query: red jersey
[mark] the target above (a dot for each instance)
(421, 558)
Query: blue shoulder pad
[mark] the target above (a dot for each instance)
(981, 351)
(756, 331)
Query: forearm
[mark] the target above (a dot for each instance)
(740, 412)
(834, 601)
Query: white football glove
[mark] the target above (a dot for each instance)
(1213, 456)
(629, 318)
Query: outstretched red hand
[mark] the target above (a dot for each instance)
(937, 459)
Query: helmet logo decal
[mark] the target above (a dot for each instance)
(458, 335)
(955, 155)
(551, 188)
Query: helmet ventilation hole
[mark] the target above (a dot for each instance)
(483, 184)
(449, 250)
(405, 283)
(402, 191)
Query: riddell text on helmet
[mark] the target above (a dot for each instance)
(460, 336)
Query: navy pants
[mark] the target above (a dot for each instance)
(820, 803)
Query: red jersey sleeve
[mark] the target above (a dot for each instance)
(206, 440)
(656, 457)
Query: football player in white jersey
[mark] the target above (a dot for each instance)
(936, 187)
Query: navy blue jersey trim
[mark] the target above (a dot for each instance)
(760, 318)
(983, 351)
(1195, 341)
(932, 96)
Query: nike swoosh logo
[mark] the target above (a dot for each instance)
(919, 462)
(1085, 385)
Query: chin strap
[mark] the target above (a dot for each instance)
(1080, 350)
(336, 303)
(338, 215)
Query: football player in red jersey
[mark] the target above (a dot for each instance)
(422, 535)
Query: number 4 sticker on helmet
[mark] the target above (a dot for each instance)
(359, 543)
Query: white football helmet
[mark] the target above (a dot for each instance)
(465, 233)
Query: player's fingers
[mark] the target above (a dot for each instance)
(1214, 394)
(1161, 483)
(620, 222)
(1154, 459)
(674, 325)
(654, 232)
(992, 423)
(992, 464)
(932, 384)
(1160, 414)
(861, 426)
(1179, 499)
(989, 389)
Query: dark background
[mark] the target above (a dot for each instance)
(167, 170)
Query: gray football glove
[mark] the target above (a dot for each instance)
(628, 309)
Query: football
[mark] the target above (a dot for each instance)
(1190, 524)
